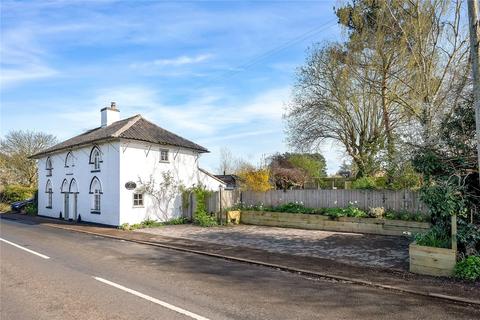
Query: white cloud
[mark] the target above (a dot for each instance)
(12, 76)
(172, 62)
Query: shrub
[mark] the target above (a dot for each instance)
(4, 207)
(435, 237)
(468, 269)
(377, 212)
(406, 216)
(125, 226)
(201, 217)
(176, 221)
(31, 209)
(368, 183)
(353, 211)
(13, 193)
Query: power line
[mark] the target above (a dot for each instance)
(255, 60)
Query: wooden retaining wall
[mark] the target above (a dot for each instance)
(342, 224)
(432, 261)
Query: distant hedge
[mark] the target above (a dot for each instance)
(13, 193)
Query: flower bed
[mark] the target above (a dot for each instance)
(351, 211)
(323, 222)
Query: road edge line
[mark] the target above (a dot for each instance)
(25, 249)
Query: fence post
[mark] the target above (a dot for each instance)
(454, 232)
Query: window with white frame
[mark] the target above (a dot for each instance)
(69, 163)
(49, 191)
(95, 158)
(138, 199)
(96, 200)
(49, 167)
(96, 192)
(164, 155)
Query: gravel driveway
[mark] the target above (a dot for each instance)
(350, 248)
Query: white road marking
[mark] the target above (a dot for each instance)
(151, 299)
(23, 248)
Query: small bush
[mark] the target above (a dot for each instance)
(435, 237)
(203, 219)
(377, 212)
(31, 209)
(407, 216)
(125, 226)
(4, 207)
(468, 269)
(13, 193)
(176, 221)
(368, 183)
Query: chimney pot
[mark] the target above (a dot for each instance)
(113, 105)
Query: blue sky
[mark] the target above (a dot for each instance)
(216, 72)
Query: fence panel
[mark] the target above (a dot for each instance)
(401, 200)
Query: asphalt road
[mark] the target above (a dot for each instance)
(90, 277)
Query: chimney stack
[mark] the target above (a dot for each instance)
(110, 114)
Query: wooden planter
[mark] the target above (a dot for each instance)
(342, 224)
(233, 216)
(432, 261)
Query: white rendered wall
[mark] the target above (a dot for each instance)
(139, 161)
(81, 172)
(209, 182)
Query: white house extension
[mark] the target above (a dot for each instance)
(100, 175)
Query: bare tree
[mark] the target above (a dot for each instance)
(15, 149)
(227, 161)
(332, 102)
(436, 47)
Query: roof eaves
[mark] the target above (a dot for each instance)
(44, 153)
(211, 175)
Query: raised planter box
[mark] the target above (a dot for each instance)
(432, 261)
(342, 224)
(233, 216)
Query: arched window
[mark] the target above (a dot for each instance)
(65, 186)
(69, 161)
(49, 192)
(49, 166)
(73, 186)
(95, 158)
(69, 164)
(96, 192)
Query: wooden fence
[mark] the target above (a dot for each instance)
(402, 200)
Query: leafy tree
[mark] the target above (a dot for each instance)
(451, 176)
(296, 169)
(15, 149)
(254, 179)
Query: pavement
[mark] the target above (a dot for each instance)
(236, 290)
(349, 248)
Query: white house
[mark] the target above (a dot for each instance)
(100, 175)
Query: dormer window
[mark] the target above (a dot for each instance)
(95, 159)
(49, 167)
(164, 155)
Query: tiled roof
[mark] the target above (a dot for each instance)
(133, 128)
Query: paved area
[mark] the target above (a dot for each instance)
(350, 248)
(64, 287)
